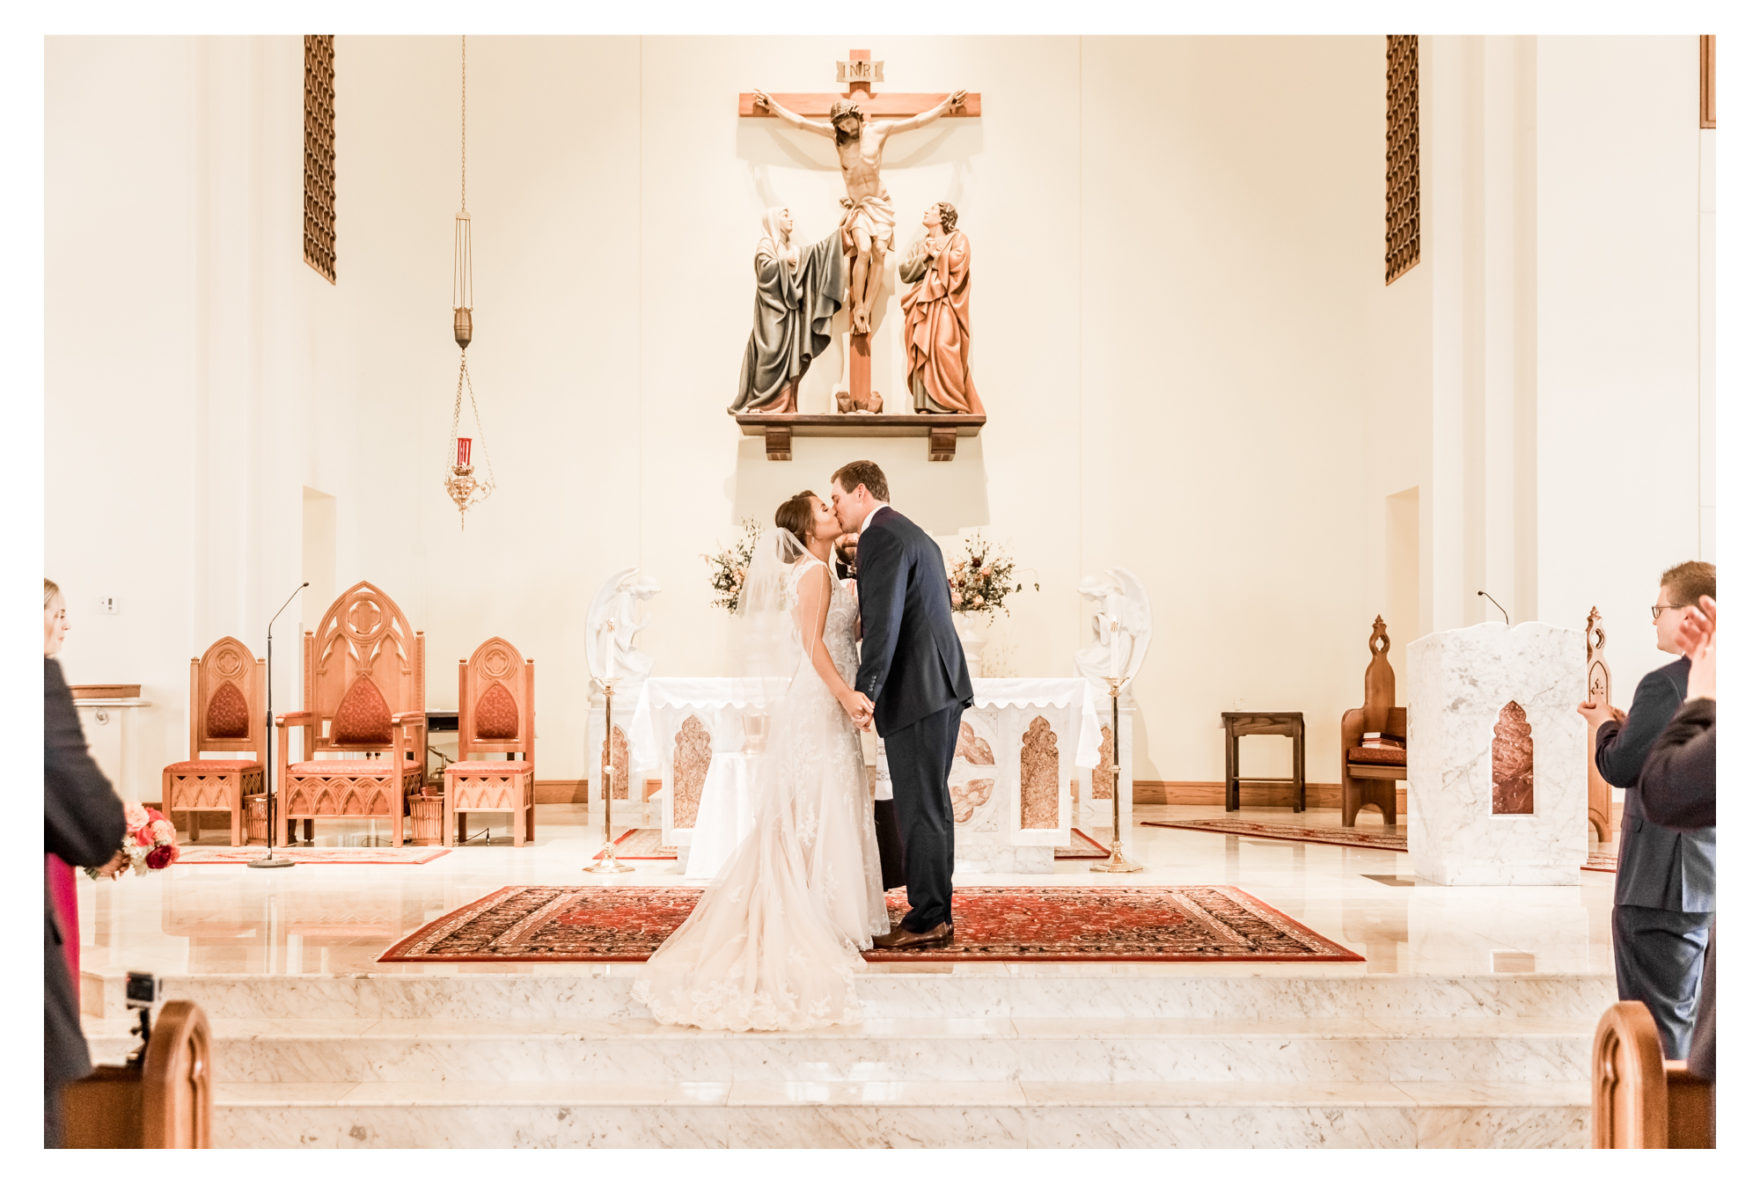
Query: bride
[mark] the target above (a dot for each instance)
(775, 939)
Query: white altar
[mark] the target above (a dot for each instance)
(1497, 782)
(1024, 772)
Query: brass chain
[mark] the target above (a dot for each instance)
(461, 122)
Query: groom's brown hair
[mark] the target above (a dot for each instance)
(863, 473)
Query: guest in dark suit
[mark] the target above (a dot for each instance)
(914, 685)
(84, 825)
(1679, 788)
(1666, 889)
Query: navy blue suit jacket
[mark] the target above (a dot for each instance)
(1659, 867)
(912, 663)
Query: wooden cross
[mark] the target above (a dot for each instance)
(860, 72)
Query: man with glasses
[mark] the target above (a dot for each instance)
(1665, 893)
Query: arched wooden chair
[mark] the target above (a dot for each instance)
(1641, 1100)
(166, 1103)
(1367, 775)
(363, 699)
(496, 716)
(225, 716)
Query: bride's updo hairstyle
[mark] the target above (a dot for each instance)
(795, 516)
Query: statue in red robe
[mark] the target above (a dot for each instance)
(938, 317)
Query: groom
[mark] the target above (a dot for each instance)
(913, 683)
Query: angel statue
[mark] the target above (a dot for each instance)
(613, 621)
(1122, 626)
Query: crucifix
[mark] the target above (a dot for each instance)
(851, 120)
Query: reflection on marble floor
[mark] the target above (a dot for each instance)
(315, 920)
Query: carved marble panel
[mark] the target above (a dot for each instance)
(1512, 762)
(1039, 776)
(619, 763)
(1102, 773)
(690, 767)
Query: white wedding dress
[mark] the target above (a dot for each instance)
(775, 940)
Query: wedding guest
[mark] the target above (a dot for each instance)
(1665, 891)
(1679, 788)
(83, 825)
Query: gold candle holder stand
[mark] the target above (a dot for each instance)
(1116, 862)
(606, 863)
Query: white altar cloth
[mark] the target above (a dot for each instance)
(1024, 742)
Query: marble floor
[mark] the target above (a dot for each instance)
(1467, 1024)
(316, 920)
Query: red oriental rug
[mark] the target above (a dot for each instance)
(1373, 838)
(1035, 923)
(640, 843)
(208, 856)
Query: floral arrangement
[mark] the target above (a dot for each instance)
(727, 568)
(149, 845)
(983, 579)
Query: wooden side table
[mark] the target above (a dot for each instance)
(1238, 724)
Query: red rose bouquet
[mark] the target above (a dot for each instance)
(149, 845)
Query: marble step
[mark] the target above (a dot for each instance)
(780, 1114)
(1320, 1051)
(1047, 991)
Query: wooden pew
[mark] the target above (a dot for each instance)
(166, 1103)
(1641, 1100)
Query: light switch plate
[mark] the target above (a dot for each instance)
(107, 605)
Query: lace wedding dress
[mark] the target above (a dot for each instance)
(775, 940)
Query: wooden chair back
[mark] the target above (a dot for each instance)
(226, 701)
(1640, 1100)
(364, 653)
(1377, 680)
(166, 1103)
(495, 702)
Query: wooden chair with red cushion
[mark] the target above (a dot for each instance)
(364, 700)
(495, 717)
(1368, 775)
(225, 716)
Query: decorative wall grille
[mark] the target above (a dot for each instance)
(1402, 155)
(320, 136)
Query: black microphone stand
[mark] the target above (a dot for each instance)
(269, 859)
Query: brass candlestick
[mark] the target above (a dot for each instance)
(1117, 862)
(606, 863)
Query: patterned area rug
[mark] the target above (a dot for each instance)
(639, 843)
(1083, 845)
(1374, 837)
(1342, 836)
(1039, 923)
(208, 856)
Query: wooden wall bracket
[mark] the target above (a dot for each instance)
(780, 429)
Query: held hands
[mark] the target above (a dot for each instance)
(1699, 634)
(1599, 713)
(118, 863)
(860, 709)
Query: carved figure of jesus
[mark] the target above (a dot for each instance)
(867, 218)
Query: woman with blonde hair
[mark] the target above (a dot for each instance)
(83, 825)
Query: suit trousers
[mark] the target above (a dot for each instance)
(1657, 958)
(52, 1135)
(920, 756)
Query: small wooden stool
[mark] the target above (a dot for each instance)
(1238, 724)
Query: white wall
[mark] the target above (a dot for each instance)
(1192, 365)
(191, 359)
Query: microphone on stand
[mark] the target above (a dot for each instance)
(269, 859)
(1493, 601)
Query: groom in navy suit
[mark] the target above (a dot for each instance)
(912, 685)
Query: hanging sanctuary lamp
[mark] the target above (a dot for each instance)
(462, 483)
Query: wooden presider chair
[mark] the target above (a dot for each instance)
(1368, 774)
(166, 1103)
(495, 716)
(1641, 1100)
(363, 698)
(225, 716)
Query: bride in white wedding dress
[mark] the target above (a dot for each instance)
(775, 940)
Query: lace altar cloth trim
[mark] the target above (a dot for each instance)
(714, 694)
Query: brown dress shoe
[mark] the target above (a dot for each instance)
(903, 938)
